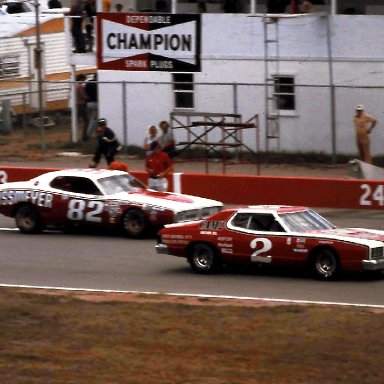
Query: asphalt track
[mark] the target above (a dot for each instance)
(87, 261)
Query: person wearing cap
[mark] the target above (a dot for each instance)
(364, 124)
(108, 145)
(158, 165)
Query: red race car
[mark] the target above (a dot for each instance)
(99, 198)
(275, 235)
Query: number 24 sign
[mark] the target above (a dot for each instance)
(372, 195)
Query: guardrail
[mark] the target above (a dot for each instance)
(247, 190)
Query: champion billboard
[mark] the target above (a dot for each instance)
(148, 42)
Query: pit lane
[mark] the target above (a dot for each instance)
(85, 261)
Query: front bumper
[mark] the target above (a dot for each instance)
(373, 265)
(162, 249)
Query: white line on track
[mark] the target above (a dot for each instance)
(263, 299)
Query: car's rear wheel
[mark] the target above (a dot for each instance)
(325, 264)
(135, 223)
(204, 259)
(28, 219)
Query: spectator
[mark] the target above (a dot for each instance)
(81, 99)
(54, 4)
(119, 7)
(92, 107)
(90, 14)
(166, 139)
(76, 13)
(361, 121)
(158, 165)
(307, 6)
(108, 145)
(150, 138)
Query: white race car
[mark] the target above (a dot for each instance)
(97, 197)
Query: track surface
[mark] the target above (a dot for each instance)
(85, 261)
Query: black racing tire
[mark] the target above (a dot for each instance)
(135, 223)
(325, 264)
(28, 219)
(204, 259)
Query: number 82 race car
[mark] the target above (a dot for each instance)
(275, 235)
(99, 198)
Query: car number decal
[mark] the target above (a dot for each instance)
(266, 245)
(3, 177)
(76, 210)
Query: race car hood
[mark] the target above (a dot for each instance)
(370, 237)
(173, 201)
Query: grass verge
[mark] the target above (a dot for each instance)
(62, 338)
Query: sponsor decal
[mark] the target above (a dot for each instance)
(300, 250)
(145, 42)
(289, 241)
(213, 233)
(224, 238)
(41, 199)
(212, 224)
(113, 209)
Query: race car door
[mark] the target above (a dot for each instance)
(77, 200)
(260, 238)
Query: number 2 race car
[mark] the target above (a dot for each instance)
(96, 197)
(275, 235)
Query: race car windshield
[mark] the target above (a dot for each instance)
(120, 183)
(304, 221)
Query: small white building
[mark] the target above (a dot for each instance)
(324, 67)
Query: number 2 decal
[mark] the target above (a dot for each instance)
(76, 210)
(266, 246)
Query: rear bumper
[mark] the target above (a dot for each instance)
(373, 265)
(162, 249)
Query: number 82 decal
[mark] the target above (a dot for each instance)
(76, 210)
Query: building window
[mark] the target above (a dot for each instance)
(183, 89)
(9, 66)
(285, 92)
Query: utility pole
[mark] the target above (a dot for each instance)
(38, 64)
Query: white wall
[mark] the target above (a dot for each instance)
(233, 52)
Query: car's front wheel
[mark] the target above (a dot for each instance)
(28, 219)
(204, 259)
(325, 264)
(135, 223)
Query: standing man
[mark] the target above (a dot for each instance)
(364, 124)
(108, 144)
(166, 140)
(76, 13)
(158, 165)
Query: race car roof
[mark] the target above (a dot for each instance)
(276, 208)
(91, 173)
